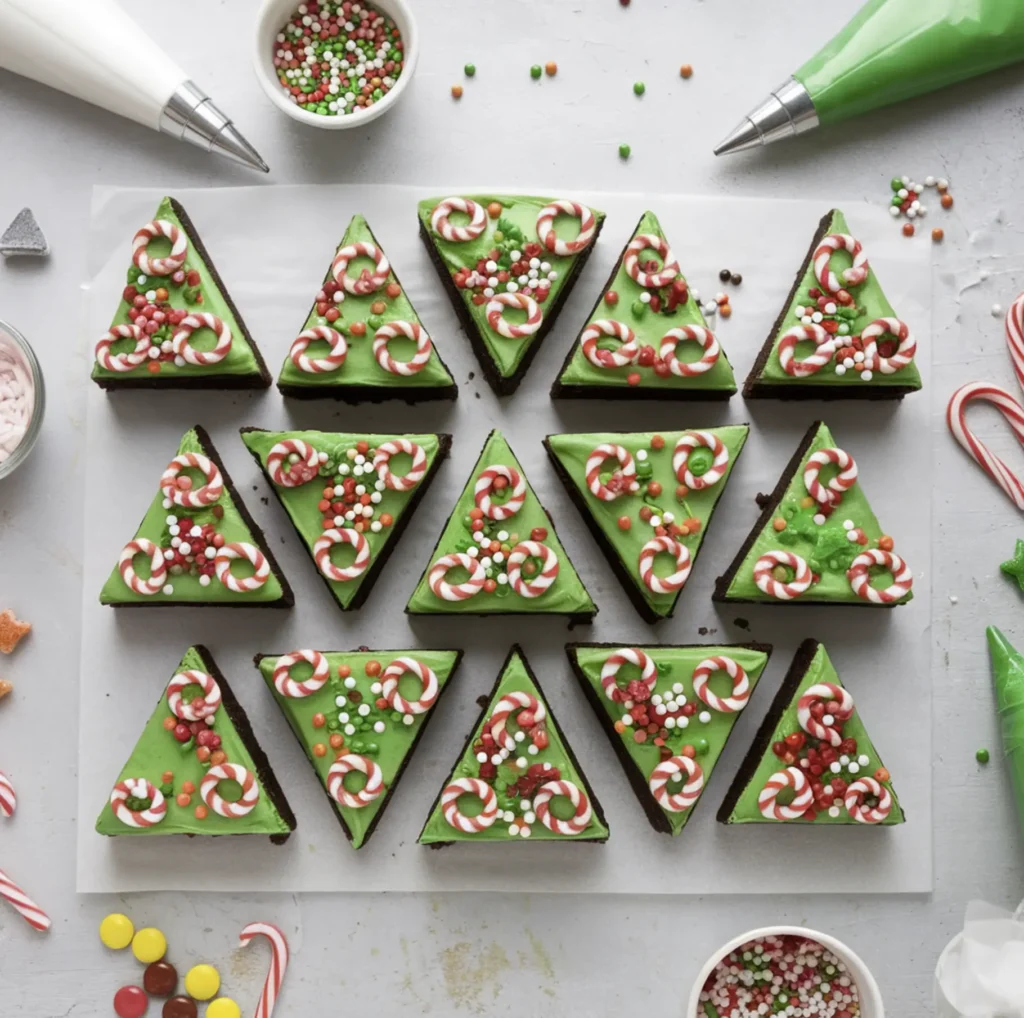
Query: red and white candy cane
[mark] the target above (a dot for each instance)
(595, 466)
(344, 535)
(695, 334)
(157, 567)
(856, 274)
(856, 792)
(429, 686)
(674, 581)
(825, 693)
(23, 904)
(130, 359)
(227, 771)
(681, 459)
(456, 591)
(782, 591)
(200, 707)
(278, 963)
(740, 694)
(400, 482)
(507, 709)
(495, 315)
(138, 788)
(192, 498)
(484, 488)
(458, 234)
(293, 688)
(346, 764)
(546, 227)
(330, 361)
(456, 818)
(580, 819)
(289, 472)
(829, 494)
(366, 282)
(904, 354)
(859, 575)
(602, 358)
(658, 278)
(182, 345)
(803, 796)
(540, 581)
(627, 656)
(241, 584)
(170, 262)
(410, 330)
(824, 342)
(668, 770)
(8, 797)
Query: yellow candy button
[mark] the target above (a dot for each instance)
(116, 931)
(223, 1007)
(202, 982)
(149, 945)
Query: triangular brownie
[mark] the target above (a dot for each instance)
(812, 760)
(517, 776)
(669, 711)
(648, 498)
(362, 339)
(837, 336)
(499, 553)
(646, 337)
(176, 327)
(349, 496)
(197, 544)
(197, 767)
(817, 539)
(507, 262)
(358, 716)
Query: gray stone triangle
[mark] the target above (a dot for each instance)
(23, 237)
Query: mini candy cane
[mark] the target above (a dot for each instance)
(458, 591)
(832, 493)
(737, 700)
(664, 584)
(650, 280)
(827, 693)
(768, 797)
(508, 708)
(411, 330)
(322, 554)
(138, 788)
(854, 801)
(170, 263)
(853, 276)
(295, 690)
(457, 234)
(601, 358)
(767, 584)
(627, 656)
(242, 806)
(538, 583)
(429, 686)
(823, 341)
(693, 333)
(200, 708)
(373, 789)
(278, 963)
(366, 282)
(8, 797)
(157, 567)
(484, 488)
(289, 472)
(859, 575)
(330, 361)
(181, 340)
(469, 786)
(23, 904)
(241, 584)
(495, 319)
(129, 360)
(580, 819)
(192, 498)
(681, 459)
(668, 770)
(546, 227)
(405, 482)
(904, 355)
(595, 465)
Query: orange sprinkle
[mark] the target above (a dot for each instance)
(806, 502)
(551, 68)
(393, 290)
(319, 749)
(344, 671)
(319, 721)
(153, 367)
(779, 523)
(946, 201)
(337, 740)
(620, 727)
(218, 756)
(188, 787)
(203, 753)
(167, 777)
(885, 543)
(908, 229)
(881, 774)
(494, 209)
(686, 71)
(201, 812)
(378, 307)
(725, 310)
(937, 234)
(183, 800)
(170, 722)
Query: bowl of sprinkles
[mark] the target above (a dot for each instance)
(785, 970)
(335, 64)
(21, 399)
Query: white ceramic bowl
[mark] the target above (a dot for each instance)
(9, 334)
(871, 1005)
(275, 13)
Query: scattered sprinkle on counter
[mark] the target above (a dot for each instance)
(639, 88)
(456, 91)
(982, 756)
(551, 68)
(946, 201)
(938, 234)
(996, 310)
(908, 229)
(469, 70)
(686, 71)
(624, 151)
(536, 71)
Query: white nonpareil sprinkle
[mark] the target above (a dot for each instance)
(17, 397)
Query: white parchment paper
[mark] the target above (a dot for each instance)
(271, 245)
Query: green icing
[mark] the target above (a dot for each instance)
(649, 328)
(518, 220)
(871, 303)
(240, 359)
(186, 586)
(515, 678)
(158, 751)
(746, 810)
(573, 451)
(301, 502)
(361, 366)
(388, 749)
(825, 547)
(566, 595)
(675, 667)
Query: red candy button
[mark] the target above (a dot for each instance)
(130, 1002)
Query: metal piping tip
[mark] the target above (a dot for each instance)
(787, 111)
(743, 136)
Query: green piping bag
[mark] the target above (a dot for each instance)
(1008, 679)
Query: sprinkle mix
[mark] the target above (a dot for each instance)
(906, 201)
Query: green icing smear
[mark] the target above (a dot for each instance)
(573, 451)
(186, 586)
(566, 595)
(649, 328)
(361, 367)
(515, 678)
(871, 303)
(518, 219)
(387, 749)
(825, 548)
(675, 666)
(301, 502)
(746, 810)
(158, 751)
(240, 359)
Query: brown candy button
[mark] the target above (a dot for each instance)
(160, 979)
(180, 1007)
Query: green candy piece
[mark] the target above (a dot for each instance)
(895, 183)
(982, 756)
(536, 71)
(470, 70)
(639, 88)
(624, 151)
(639, 308)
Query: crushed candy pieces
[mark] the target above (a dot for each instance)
(12, 630)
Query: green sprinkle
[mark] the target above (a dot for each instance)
(895, 183)
(469, 70)
(639, 88)
(982, 756)
(536, 71)
(624, 151)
